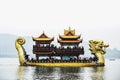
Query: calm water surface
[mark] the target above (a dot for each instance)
(10, 70)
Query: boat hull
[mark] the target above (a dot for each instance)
(76, 64)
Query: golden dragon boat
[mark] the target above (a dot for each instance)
(68, 54)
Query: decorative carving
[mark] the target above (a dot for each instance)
(20, 41)
(18, 44)
(97, 46)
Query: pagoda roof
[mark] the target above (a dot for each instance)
(69, 37)
(69, 32)
(70, 41)
(43, 37)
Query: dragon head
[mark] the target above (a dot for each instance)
(97, 46)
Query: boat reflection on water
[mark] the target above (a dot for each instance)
(10, 70)
(60, 73)
(97, 73)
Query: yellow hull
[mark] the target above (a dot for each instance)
(62, 64)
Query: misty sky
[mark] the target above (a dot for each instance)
(93, 19)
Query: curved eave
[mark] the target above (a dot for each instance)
(43, 39)
(69, 37)
(70, 41)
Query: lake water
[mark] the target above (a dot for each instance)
(10, 70)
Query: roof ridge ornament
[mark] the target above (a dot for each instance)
(69, 28)
(43, 32)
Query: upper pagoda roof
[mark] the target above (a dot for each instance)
(69, 34)
(70, 37)
(43, 37)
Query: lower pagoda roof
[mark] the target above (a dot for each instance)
(70, 41)
(70, 37)
(43, 39)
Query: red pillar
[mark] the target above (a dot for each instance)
(77, 57)
(61, 58)
(60, 46)
(37, 57)
(49, 57)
